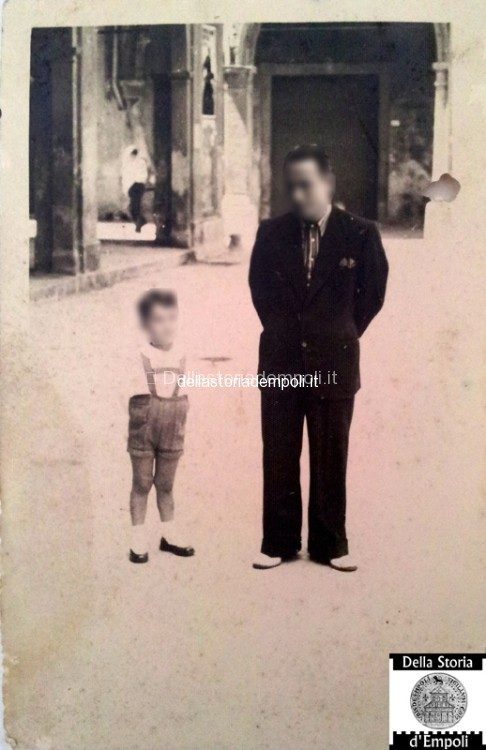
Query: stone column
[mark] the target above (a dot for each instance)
(441, 150)
(438, 214)
(40, 126)
(240, 214)
(74, 159)
(208, 140)
(87, 166)
(177, 229)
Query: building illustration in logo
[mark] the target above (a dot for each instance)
(439, 710)
(438, 700)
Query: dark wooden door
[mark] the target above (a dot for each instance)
(339, 113)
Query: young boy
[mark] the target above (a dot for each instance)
(157, 421)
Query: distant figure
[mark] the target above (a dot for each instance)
(208, 90)
(135, 172)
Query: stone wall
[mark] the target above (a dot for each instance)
(117, 130)
(407, 52)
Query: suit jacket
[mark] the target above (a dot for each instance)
(315, 327)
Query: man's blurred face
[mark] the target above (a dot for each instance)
(309, 189)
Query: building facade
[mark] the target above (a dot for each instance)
(375, 95)
(439, 710)
(214, 108)
(94, 92)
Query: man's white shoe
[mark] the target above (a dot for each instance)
(263, 562)
(344, 563)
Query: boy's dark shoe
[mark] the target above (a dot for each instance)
(165, 546)
(134, 558)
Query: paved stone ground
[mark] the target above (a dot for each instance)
(119, 262)
(206, 653)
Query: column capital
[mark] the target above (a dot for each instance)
(238, 74)
(182, 74)
(441, 70)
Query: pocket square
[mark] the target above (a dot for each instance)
(347, 262)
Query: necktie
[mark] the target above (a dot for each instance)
(311, 247)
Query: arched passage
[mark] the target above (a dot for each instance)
(98, 92)
(365, 89)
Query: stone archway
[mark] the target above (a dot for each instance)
(239, 206)
(249, 38)
(243, 86)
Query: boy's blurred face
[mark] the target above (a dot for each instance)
(309, 189)
(161, 325)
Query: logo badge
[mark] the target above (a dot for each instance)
(438, 700)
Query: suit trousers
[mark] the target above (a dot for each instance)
(328, 423)
(136, 193)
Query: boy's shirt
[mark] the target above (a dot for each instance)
(165, 364)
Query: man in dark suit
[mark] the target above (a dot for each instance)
(317, 279)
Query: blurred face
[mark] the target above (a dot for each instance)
(161, 325)
(310, 191)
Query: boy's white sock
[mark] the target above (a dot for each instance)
(139, 539)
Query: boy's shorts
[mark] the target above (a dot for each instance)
(156, 425)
